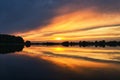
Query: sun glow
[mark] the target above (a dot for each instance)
(58, 38)
(59, 49)
(77, 25)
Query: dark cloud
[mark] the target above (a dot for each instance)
(112, 6)
(23, 15)
(104, 6)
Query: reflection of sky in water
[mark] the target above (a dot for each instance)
(109, 54)
(61, 63)
(95, 63)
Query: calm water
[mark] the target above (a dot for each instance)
(61, 63)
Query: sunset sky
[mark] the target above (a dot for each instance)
(61, 20)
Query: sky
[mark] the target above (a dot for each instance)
(55, 20)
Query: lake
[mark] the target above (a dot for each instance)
(61, 63)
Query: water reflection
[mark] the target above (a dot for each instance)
(107, 54)
(5, 49)
(65, 63)
(95, 63)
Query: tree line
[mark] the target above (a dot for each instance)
(101, 43)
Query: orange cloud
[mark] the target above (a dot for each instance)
(84, 24)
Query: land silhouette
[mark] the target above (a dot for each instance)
(10, 43)
(101, 43)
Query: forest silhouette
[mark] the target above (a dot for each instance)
(10, 43)
(101, 43)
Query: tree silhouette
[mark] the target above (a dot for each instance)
(10, 43)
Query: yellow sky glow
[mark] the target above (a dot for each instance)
(77, 25)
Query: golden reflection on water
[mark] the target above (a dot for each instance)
(74, 58)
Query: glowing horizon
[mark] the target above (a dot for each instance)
(78, 25)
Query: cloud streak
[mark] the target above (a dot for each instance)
(24, 15)
(84, 29)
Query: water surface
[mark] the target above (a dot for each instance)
(61, 63)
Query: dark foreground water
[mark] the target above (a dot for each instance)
(60, 63)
